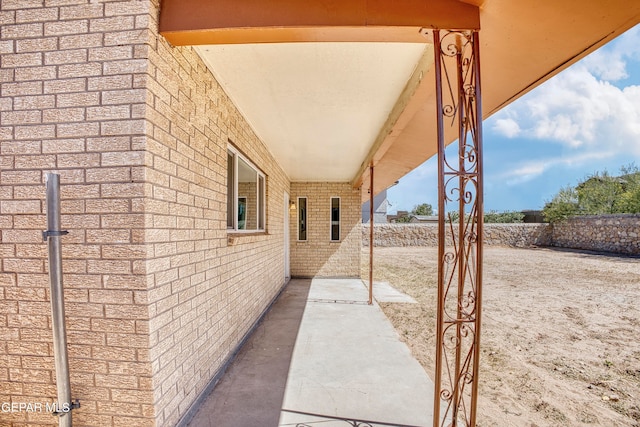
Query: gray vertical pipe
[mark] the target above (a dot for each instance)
(53, 235)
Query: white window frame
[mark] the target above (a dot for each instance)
(331, 239)
(261, 184)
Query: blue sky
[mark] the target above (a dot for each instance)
(584, 120)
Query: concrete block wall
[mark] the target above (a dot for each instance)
(157, 293)
(318, 256)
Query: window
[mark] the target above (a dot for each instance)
(302, 218)
(245, 194)
(335, 219)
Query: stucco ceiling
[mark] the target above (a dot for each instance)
(318, 106)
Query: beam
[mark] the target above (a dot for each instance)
(195, 22)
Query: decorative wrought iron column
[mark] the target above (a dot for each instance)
(460, 236)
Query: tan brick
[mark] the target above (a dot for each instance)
(31, 251)
(126, 66)
(77, 129)
(122, 190)
(20, 31)
(35, 73)
(36, 15)
(84, 160)
(123, 252)
(113, 353)
(34, 102)
(110, 82)
(128, 158)
(63, 115)
(79, 191)
(108, 206)
(65, 86)
(29, 375)
(63, 146)
(109, 266)
(35, 132)
(124, 96)
(109, 174)
(20, 206)
(87, 69)
(28, 348)
(35, 162)
(122, 221)
(80, 41)
(37, 45)
(91, 10)
(71, 56)
(80, 99)
(109, 112)
(20, 117)
(126, 311)
(20, 177)
(109, 143)
(110, 53)
(33, 59)
(123, 127)
(12, 147)
(66, 27)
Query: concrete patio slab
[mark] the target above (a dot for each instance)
(321, 356)
(384, 292)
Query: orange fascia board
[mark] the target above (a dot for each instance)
(196, 22)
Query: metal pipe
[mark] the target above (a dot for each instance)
(371, 222)
(479, 227)
(441, 227)
(52, 236)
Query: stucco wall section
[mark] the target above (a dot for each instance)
(72, 100)
(608, 233)
(319, 256)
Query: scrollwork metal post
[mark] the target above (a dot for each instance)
(460, 231)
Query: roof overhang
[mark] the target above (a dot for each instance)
(523, 43)
(196, 22)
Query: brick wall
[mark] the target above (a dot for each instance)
(72, 100)
(206, 289)
(157, 294)
(318, 256)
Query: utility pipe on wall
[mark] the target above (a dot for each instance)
(52, 236)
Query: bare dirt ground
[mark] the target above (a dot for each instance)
(560, 334)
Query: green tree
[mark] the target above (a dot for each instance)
(629, 200)
(503, 217)
(598, 194)
(423, 209)
(562, 206)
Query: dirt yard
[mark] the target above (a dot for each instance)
(560, 338)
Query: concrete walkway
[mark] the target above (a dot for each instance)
(322, 356)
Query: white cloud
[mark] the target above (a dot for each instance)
(507, 127)
(530, 170)
(577, 109)
(610, 62)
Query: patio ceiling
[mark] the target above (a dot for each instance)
(361, 89)
(318, 106)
